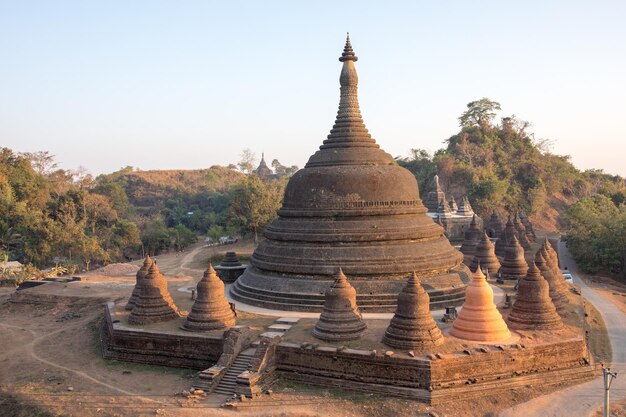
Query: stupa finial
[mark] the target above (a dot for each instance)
(348, 52)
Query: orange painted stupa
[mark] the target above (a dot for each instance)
(479, 320)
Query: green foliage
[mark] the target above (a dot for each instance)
(596, 233)
(255, 203)
(47, 214)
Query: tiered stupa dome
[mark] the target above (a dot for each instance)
(141, 274)
(413, 327)
(471, 239)
(340, 319)
(211, 310)
(485, 255)
(351, 205)
(533, 308)
(154, 303)
(514, 264)
(479, 320)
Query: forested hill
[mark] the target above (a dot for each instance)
(150, 190)
(500, 166)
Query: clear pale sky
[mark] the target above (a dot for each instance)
(190, 84)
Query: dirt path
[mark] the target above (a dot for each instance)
(29, 349)
(585, 399)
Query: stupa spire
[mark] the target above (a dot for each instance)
(348, 54)
(349, 135)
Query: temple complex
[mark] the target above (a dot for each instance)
(471, 239)
(514, 264)
(485, 255)
(154, 303)
(351, 205)
(412, 326)
(479, 320)
(211, 310)
(141, 274)
(340, 319)
(533, 308)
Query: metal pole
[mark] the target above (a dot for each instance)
(608, 379)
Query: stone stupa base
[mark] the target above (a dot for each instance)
(373, 295)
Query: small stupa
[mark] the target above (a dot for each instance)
(557, 292)
(519, 226)
(435, 195)
(506, 238)
(494, 226)
(340, 319)
(211, 310)
(525, 242)
(141, 274)
(471, 239)
(533, 308)
(465, 208)
(453, 206)
(479, 320)
(530, 232)
(443, 210)
(485, 255)
(412, 326)
(514, 264)
(154, 303)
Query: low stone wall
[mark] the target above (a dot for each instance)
(437, 378)
(193, 350)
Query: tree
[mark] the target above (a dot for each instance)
(247, 161)
(42, 161)
(255, 203)
(479, 113)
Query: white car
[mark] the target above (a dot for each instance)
(568, 277)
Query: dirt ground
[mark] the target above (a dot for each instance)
(50, 363)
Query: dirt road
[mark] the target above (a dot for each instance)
(585, 399)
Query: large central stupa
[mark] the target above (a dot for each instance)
(352, 207)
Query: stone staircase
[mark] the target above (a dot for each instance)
(228, 382)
